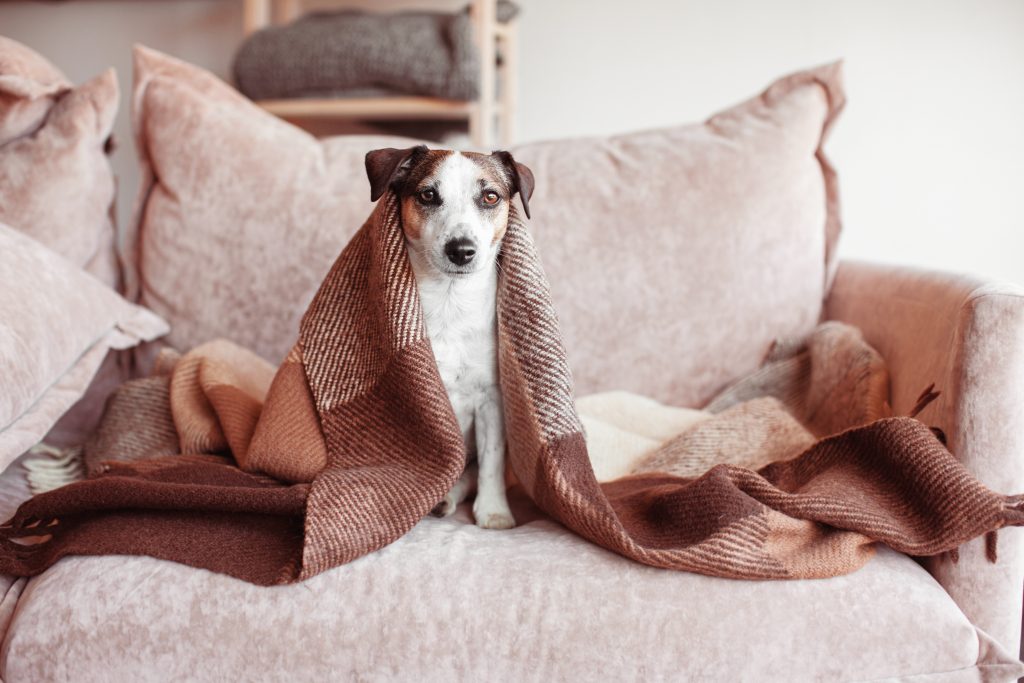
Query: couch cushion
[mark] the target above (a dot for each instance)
(451, 601)
(56, 184)
(29, 85)
(56, 326)
(243, 214)
(676, 257)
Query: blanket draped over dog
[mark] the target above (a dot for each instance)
(219, 462)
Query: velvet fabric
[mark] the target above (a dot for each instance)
(29, 86)
(241, 213)
(450, 601)
(56, 184)
(206, 627)
(676, 257)
(967, 336)
(56, 326)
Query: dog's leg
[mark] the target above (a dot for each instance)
(463, 487)
(491, 506)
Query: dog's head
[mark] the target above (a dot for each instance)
(454, 204)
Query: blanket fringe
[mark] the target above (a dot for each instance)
(926, 397)
(991, 538)
(51, 467)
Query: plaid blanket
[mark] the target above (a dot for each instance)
(273, 476)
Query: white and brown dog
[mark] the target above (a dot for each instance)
(455, 210)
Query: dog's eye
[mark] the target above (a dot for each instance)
(491, 198)
(427, 196)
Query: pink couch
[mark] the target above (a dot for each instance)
(743, 211)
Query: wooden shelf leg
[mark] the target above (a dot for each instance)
(256, 15)
(286, 11)
(481, 122)
(509, 85)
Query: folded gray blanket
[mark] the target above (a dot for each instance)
(334, 53)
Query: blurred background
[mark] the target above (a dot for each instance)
(930, 149)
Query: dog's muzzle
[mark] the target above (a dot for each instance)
(460, 250)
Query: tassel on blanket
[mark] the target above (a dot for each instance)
(923, 401)
(1014, 513)
(991, 541)
(926, 397)
(49, 468)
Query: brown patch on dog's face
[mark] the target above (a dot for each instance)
(415, 212)
(494, 176)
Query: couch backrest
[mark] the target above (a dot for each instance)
(676, 257)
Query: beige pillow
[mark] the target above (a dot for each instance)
(56, 325)
(676, 256)
(242, 214)
(56, 184)
(29, 86)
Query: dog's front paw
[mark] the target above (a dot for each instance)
(498, 520)
(446, 507)
(493, 514)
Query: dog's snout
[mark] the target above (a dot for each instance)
(460, 250)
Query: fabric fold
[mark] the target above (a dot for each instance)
(353, 441)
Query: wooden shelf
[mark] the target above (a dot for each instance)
(481, 115)
(399, 107)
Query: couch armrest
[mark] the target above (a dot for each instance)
(967, 336)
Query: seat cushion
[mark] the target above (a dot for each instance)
(453, 602)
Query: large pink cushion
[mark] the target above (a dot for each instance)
(676, 256)
(56, 184)
(243, 213)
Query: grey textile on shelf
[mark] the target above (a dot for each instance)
(330, 53)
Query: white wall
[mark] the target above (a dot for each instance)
(930, 150)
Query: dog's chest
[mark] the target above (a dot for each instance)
(462, 326)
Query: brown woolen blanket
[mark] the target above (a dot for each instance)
(274, 477)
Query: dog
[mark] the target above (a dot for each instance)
(454, 209)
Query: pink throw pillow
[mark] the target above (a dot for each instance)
(56, 184)
(242, 214)
(678, 256)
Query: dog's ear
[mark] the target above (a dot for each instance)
(522, 178)
(385, 166)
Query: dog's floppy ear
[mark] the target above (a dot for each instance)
(522, 178)
(384, 166)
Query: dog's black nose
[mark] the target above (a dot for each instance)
(460, 251)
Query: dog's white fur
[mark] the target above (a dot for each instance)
(461, 321)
